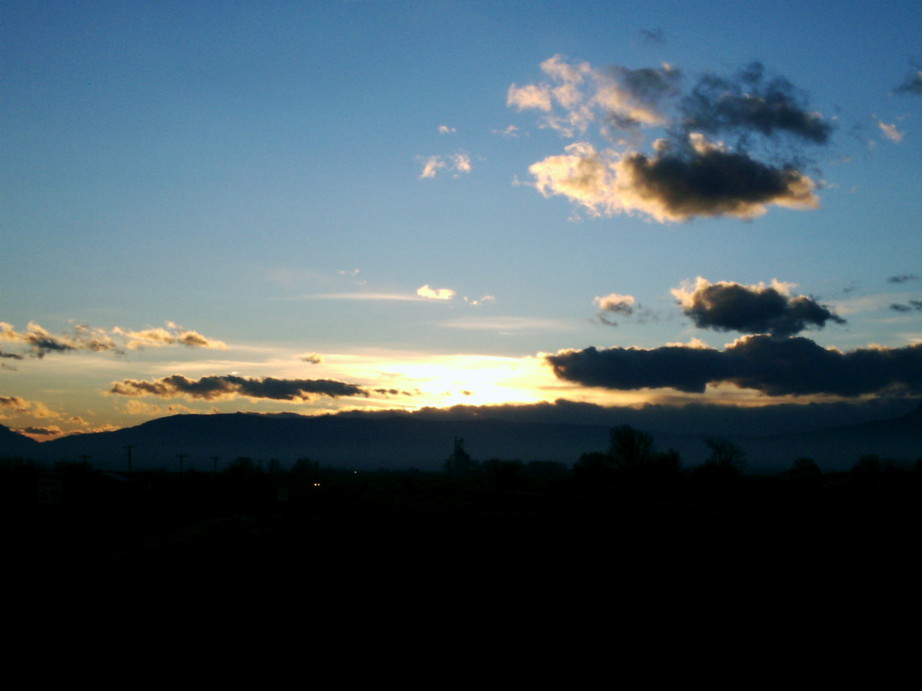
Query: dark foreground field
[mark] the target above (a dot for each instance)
(330, 520)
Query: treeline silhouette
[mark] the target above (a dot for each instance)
(250, 507)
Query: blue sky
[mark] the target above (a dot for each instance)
(347, 192)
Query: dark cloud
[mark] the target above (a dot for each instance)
(393, 392)
(51, 431)
(652, 36)
(42, 345)
(912, 305)
(39, 341)
(709, 181)
(630, 369)
(902, 278)
(231, 386)
(794, 366)
(726, 306)
(912, 84)
(10, 356)
(749, 102)
(648, 85)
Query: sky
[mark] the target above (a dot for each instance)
(362, 204)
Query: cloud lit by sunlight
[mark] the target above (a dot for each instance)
(435, 293)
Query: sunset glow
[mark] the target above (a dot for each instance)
(339, 206)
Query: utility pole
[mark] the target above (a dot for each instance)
(128, 448)
(214, 460)
(84, 458)
(181, 457)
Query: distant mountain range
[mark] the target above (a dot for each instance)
(379, 440)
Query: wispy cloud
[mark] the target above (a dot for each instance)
(457, 163)
(890, 131)
(480, 301)
(912, 305)
(751, 103)
(135, 407)
(911, 84)
(507, 323)
(40, 342)
(653, 37)
(399, 297)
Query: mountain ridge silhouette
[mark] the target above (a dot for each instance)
(402, 440)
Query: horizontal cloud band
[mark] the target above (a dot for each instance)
(794, 366)
(40, 341)
(231, 386)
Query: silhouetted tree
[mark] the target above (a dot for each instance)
(869, 466)
(725, 453)
(630, 455)
(630, 449)
(725, 463)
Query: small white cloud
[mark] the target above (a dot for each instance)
(615, 302)
(891, 132)
(431, 166)
(445, 129)
(462, 163)
(435, 293)
(480, 301)
(459, 163)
